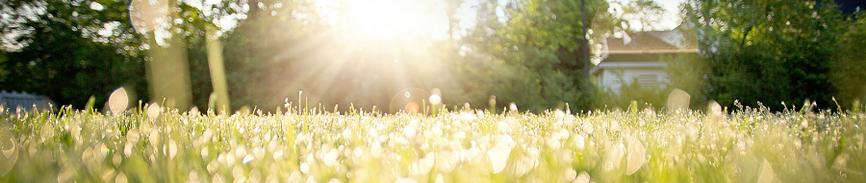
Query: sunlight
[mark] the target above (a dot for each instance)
(395, 19)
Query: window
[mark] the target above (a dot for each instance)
(648, 80)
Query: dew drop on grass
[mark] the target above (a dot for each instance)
(361, 175)
(241, 151)
(563, 133)
(204, 153)
(570, 174)
(127, 149)
(446, 161)
(272, 178)
(636, 156)
(614, 157)
(407, 180)
(715, 109)
(248, 158)
(107, 175)
(116, 159)
(118, 101)
(766, 172)
(840, 162)
(426, 163)
(259, 153)
(153, 111)
(238, 174)
(523, 165)
(218, 179)
(172, 149)
(409, 132)
(295, 177)
(678, 100)
(104, 150)
(194, 111)
(505, 140)
(10, 151)
(499, 158)
(437, 132)
(583, 177)
(193, 177)
(376, 150)
(305, 167)
(230, 159)
(502, 126)
(120, 178)
(347, 134)
(579, 142)
(87, 155)
(692, 132)
(212, 167)
(330, 158)
(553, 141)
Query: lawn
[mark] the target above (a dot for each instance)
(152, 144)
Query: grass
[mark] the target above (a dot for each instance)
(160, 145)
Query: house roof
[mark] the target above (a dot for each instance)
(651, 42)
(631, 50)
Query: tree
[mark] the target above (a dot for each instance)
(641, 15)
(527, 52)
(849, 63)
(783, 55)
(69, 53)
(687, 72)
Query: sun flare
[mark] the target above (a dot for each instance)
(396, 19)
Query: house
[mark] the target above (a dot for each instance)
(13, 100)
(639, 56)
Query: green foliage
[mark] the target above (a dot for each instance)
(688, 73)
(632, 93)
(271, 58)
(645, 14)
(767, 51)
(150, 144)
(3, 72)
(849, 63)
(531, 56)
(63, 56)
(525, 51)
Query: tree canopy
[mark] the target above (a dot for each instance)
(779, 53)
(524, 51)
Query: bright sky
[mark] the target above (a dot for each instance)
(670, 21)
(390, 18)
(672, 8)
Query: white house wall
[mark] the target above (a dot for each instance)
(614, 78)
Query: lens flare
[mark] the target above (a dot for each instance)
(409, 100)
(435, 99)
(146, 15)
(411, 108)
